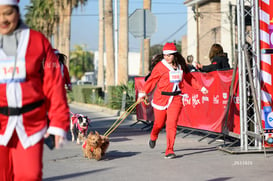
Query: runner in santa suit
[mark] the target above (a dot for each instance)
(167, 78)
(31, 88)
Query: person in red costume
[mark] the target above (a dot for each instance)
(65, 74)
(31, 88)
(169, 72)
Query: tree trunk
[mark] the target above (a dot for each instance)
(61, 27)
(123, 43)
(101, 45)
(147, 5)
(67, 29)
(56, 24)
(110, 67)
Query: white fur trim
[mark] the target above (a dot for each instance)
(28, 141)
(9, 2)
(141, 94)
(166, 52)
(57, 131)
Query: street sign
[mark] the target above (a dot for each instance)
(142, 23)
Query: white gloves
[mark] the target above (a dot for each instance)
(204, 90)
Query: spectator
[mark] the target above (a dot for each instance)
(31, 88)
(219, 60)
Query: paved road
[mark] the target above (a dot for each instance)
(129, 157)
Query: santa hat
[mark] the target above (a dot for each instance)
(169, 48)
(9, 2)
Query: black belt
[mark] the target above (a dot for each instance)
(15, 111)
(171, 93)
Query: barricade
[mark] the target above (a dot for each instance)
(203, 112)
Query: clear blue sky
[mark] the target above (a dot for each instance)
(170, 14)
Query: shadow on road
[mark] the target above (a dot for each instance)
(73, 175)
(117, 155)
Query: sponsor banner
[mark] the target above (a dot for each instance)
(205, 112)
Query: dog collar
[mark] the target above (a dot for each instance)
(84, 146)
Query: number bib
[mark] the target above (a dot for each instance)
(7, 69)
(175, 76)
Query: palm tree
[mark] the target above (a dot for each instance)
(146, 5)
(40, 16)
(101, 45)
(110, 76)
(46, 15)
(81, 61)
(64, 12)
(123, 43)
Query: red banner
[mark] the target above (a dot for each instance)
(206, 112)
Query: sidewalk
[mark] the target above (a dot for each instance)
(130, 158)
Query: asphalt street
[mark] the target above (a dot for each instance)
(129, 157)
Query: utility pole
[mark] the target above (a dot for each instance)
(196, 17)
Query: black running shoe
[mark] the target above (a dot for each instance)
(152, 144)
(170, 156)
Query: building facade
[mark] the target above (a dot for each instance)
(209, 22)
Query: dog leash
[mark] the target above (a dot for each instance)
(122, 118)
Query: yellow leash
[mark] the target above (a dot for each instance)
(122, 118)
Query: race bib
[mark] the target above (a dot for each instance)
(9, 73)
(176, 76)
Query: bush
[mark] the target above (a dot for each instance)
(86, 93)
(112, 98)
(116, 94)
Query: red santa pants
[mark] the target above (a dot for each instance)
(168, 117)
(21, 164)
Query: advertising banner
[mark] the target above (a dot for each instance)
(205, 112)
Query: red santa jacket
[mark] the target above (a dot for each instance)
(160, 81)
(37, 79)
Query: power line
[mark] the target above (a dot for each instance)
(174, 33)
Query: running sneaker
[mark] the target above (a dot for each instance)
(170, 156)
(152, 144)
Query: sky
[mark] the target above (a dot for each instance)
(171, 22)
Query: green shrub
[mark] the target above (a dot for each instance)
(112, 98)
(115, 94)
(86, 93)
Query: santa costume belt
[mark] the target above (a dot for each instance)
(15, 111)
(171, 93)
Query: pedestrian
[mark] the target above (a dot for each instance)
(65, 73)
(218, 58)
(31, 88)
(167, 78)
(190, 64)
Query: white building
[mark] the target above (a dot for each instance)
(210, 22)
(133, 62)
